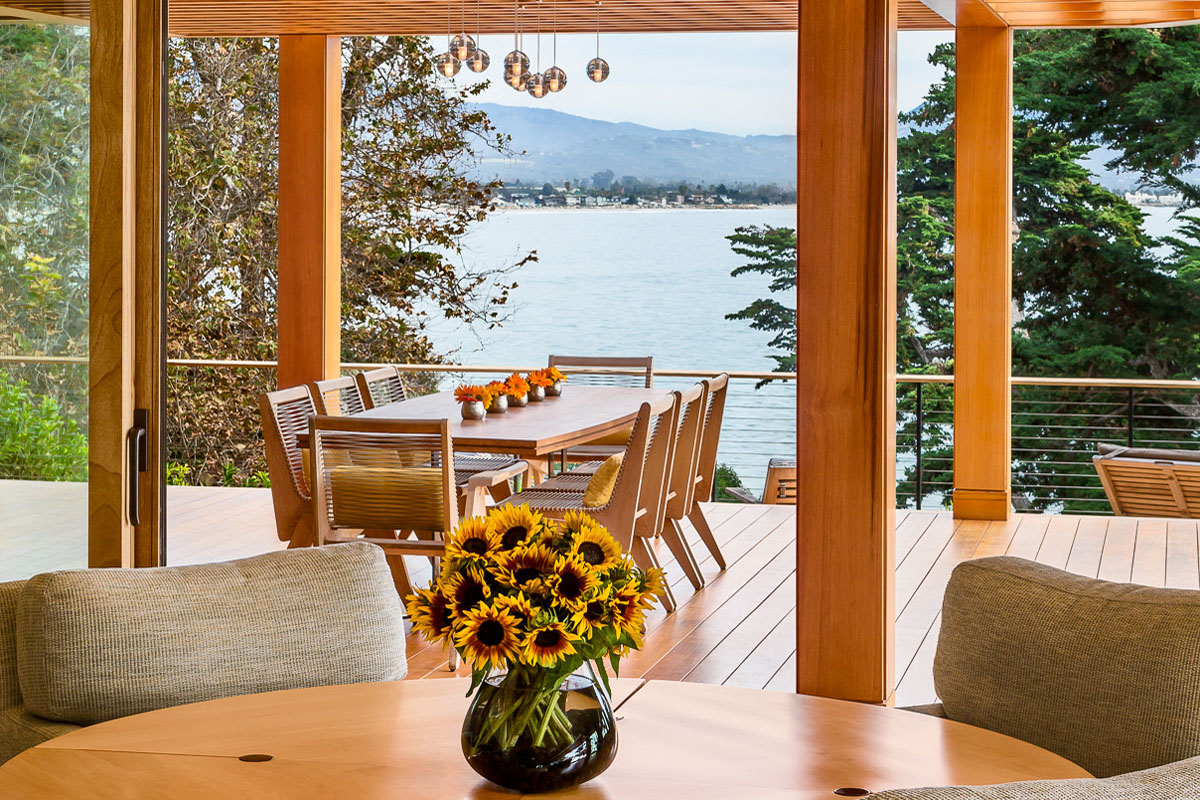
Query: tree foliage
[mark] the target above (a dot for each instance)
(771, 252)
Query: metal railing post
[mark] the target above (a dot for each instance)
(920, 424)
(1129, 427)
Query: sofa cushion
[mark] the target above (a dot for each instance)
(1105, 674)
(20, 730)
(94, 645)
(1178, 781)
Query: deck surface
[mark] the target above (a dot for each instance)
(738, 630)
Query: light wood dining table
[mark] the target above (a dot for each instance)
(401, 740)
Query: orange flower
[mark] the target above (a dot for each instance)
(497, 388)
(540, 378)
(554, 374)
(516, 385)
(470, 394)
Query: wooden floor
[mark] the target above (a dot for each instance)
(738, 630)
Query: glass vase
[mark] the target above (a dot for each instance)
(530, 739)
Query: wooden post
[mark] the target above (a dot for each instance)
(983, 271)
(125, 349)
(846, 325)
(310, 199)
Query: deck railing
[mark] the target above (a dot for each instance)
(1056, 424)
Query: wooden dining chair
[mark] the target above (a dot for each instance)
(636, 495)
(680, 493)
(285, 414)
(378, 387)
(578, 366)
(337, 396)
(706, 463)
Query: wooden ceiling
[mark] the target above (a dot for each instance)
(366, 17)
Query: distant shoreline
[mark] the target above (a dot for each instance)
(655, 209)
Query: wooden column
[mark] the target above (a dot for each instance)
(125, 348)
(983, 271)
(846, 324)
(310, 199)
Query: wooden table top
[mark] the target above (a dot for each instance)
(580, 415)
(389, 740)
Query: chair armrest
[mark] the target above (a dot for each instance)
(485, 480)
(741, 494)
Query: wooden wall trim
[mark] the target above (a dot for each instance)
(846, 322)
(309, 289)
(983, 275)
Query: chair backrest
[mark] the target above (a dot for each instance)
(372, 474)
(710, 438)
(1104, 674)
(337, 396)
(780, 487)
(693, 403)
(1150, 482)
(98, 644)
(579, 366)
(625, 507)
(660, 458)
(378, 387)
(285, 416)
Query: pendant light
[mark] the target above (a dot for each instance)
(516, 63)
(556, 78)
(597, 68)
(447, 63)
(538, 87)
(479, 60)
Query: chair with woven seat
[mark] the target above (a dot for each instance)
(634, 371)
(779, 487)
(706, 463)
(635, 495)
(378, 387)
(337, 396)
(681, 487)
(285, 414)
(1147, 482)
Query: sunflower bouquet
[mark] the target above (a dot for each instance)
(528, 601)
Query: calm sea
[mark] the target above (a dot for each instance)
(638, 282)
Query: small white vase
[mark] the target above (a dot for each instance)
(473, 409)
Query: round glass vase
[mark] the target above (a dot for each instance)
(518, 400)
(499, 404)
(537, 393)
(532, 740)
(473, 409)
(554, 389)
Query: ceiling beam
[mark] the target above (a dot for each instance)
(47, 13)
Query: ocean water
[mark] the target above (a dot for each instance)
(611, 282)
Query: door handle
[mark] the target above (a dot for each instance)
(138, 452)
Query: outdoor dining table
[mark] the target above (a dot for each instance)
(401, 740)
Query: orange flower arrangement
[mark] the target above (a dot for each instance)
(471, 394)
(541, 378)
(516, 386)
(497, 388)
(554, 374)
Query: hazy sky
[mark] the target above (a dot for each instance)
(740, 83)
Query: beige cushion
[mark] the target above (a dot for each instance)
(98, 644)
(388, 498)
(1178, 781)
(600, 488)
(617, 439)
(1105, 674)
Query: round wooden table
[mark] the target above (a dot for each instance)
(401, 740)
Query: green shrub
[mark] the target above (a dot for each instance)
(726, 476)
(37, 441)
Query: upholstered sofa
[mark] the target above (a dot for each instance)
(1105, 674)
(83, 646)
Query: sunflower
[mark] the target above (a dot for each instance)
(629, 606)
(571, 582)
(488, 637)
(517, 604)
(514, 524)
(594, 614)
(465, 590)
(653, 581)
(528, 569)
(548, 644)
(473, 540)
(430, 614)
(597, 548)
(575, 521)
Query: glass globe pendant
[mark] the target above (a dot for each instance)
(448, 65)
(538, 86)
(479, 61)
(597, 70)
(520, 82)
(556, 79)
(516, 64)
(462, 46)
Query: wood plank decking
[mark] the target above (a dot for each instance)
(738, 630)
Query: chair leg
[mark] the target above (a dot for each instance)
(672, 534)
(395, 562)
(645, 558)
(452, 659)
(696, 517)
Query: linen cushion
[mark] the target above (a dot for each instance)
(600, 488)
(1104, 674)
(618, 439)
(1178, 781)
(94, 645)
(388, 498)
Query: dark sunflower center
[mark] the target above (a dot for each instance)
(527, 574)
(595, 611)
(592, 553)
(514, 536)
(476, 546)
(490, 634)
(471, 595)
(547, 639)
(569, 585)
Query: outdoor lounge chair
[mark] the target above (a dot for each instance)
(1148, 482)
(779, 487)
